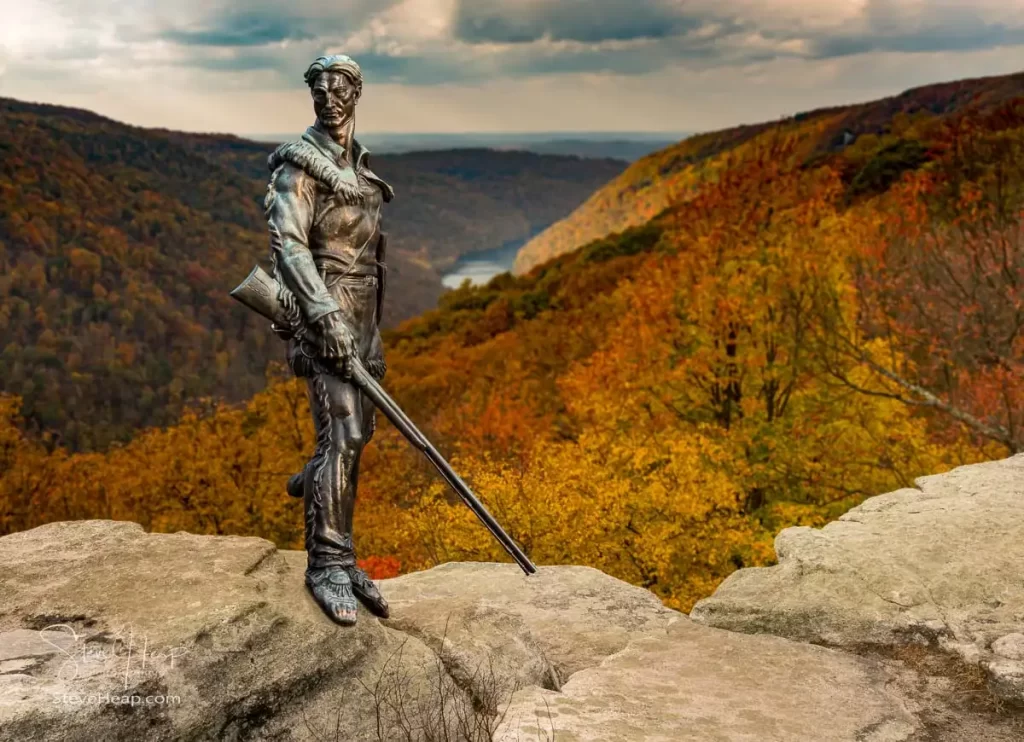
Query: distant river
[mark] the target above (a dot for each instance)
(481, 267)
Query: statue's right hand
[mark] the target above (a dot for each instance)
(337, 341)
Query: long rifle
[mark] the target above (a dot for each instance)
(261, 293)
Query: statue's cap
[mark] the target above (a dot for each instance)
(336, 62)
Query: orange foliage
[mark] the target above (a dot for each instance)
(381, 568)
(657, 404)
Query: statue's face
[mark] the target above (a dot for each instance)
(334, 99)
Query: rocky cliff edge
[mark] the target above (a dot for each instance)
(904, 620)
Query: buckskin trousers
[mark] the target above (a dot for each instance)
(344, 419)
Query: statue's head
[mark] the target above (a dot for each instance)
(336, 82)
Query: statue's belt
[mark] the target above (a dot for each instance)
(332, 278)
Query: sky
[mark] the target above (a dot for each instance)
(495, 65)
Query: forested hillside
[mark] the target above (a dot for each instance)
(807, 328)
(118, 246)
(655, 181)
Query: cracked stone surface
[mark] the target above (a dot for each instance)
(537, 630)
(223, 623)
(941, 564)
(101, 610)
(689, 683)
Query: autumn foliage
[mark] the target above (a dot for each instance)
(792, 334)
(119, 245)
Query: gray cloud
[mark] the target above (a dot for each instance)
(217, 43)
(241, 23)
(486, 40)
(933, 26)
(236, 65)
(570, 20)
(938, 40)
(245, 29)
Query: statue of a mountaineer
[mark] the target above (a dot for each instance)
(323, 209)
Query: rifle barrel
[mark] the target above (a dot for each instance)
(394, 413)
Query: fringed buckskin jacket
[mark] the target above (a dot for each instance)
(324, 220)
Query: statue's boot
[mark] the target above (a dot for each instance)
(332, 589)
(367, 592)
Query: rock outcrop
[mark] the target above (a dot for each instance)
(216, 638)
(939, 565)
(109, 632)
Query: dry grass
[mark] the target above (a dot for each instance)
(954, 698)
(441, 710)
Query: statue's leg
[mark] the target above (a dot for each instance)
(362, 585)
(330, 491)
(344, 419)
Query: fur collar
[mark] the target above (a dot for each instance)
(315, 155)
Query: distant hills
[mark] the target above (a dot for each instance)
(118, 246)
(627, 146)
(819, 314)
(654, 182)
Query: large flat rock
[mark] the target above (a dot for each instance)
(112, 633)
(535, 630)
(942, 564)
(101, 611)
(692, 684)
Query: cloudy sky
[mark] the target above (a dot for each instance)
(495, 65)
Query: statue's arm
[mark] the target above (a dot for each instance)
(289, 209)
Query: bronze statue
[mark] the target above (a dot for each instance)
(325, 297)
(323, 209)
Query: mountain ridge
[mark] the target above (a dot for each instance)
(119, 245)
(807, 329)
(653, 182)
